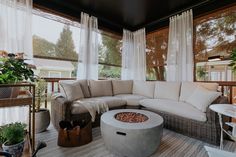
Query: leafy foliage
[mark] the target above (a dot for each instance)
(233, 60)
(201, 73)
(109, 72)
(65, 45)
(13, 70)
(157, 44)
(109, 53)
(43, 47)
(12, 133)
(40, 95)
(215, 35)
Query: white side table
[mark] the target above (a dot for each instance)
(227, 110)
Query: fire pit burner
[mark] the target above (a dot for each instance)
(131, 117)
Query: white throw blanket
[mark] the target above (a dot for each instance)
(94, 106)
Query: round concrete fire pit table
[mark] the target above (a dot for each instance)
(132, 139)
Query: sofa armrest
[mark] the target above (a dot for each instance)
(212, 117)
(60, 109)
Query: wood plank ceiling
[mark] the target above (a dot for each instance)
(132, 14)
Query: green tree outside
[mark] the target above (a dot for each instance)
(109, 53)
(65, 47)
(42, 47)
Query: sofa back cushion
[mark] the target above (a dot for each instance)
(144, 88)
(187, 88)
(100, 88)
(71, 89)
(122, 86)
(167, 90)
(85, 88)
(201, 98)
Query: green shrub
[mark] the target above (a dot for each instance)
(233, 60)
(12, 133)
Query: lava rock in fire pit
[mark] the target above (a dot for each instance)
(131, 117)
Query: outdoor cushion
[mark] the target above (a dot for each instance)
(110, 101)
(144, 88)
(131, 99)
(167, 90)
(100, 88)
(201, 98)
(174, 107)
(122, 86)
(85, 88)
(71, 89)
(187, 88)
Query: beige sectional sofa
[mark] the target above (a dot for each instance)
(183, 105)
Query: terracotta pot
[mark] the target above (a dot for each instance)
(42, 120)
(15, 150)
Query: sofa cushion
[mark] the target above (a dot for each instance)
(85, 88)
(201, 98)
(122, 86)
(110, 101)
(144, 88)
(174, 107)
(187, 88)
(131, 99)
(167, 90)
(71, 89)
(100, 88)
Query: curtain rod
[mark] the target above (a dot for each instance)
(178, 12)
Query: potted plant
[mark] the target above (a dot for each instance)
(12, 138)
(13, 69)
(233, 60)
(42, 115)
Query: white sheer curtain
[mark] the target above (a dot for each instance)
(15, 26)
(15, 36)
(134, 55)
(127, 55)
(88, 48)
(180, 48)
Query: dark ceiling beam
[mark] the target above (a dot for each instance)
(101, 20)
(198, 10)
(132, 14)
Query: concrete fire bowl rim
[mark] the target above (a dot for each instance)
(153, 119)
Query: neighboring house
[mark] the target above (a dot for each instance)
(53, 68)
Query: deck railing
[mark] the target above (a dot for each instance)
(228, 88)
(53, 86)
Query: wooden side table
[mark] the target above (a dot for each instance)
(227, 110)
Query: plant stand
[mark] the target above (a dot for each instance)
(27, 100)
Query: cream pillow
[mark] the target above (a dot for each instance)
(100, 88)
(201, 98)
(144, 88)
(167, 90)
(71, 89)
(187, 88)
(85, 88)
(122, 86)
